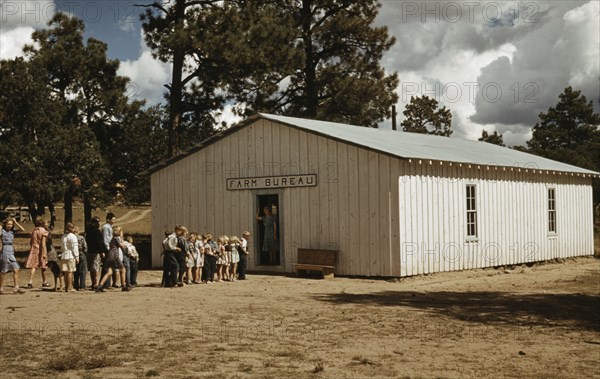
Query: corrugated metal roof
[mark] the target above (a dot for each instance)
(428, 147)
(402, 145)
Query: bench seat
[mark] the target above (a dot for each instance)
(316, 260)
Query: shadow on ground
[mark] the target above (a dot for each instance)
(577, 311)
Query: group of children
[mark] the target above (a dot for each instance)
(194, 259)
(100, 252)
(109, 255)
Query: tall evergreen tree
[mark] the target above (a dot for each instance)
(176, 33)
(570, 133)
(494, 138)
(310, 58)
(90, 117)
(423, 116)
(39, 151)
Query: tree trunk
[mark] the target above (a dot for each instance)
(52, 215)
(310, 91)
(176, 91)
(68, 205)
(87, 211)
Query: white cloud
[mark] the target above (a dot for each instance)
(562, 52)
(227, 116)
(148, 76)
(18, 20)
(22, 13)
(520, 54)
(13, 41)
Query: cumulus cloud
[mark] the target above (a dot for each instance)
(22, 13)
(18, 20)
(496, 65)
(148, 76)
(561, 53)
(13, 41)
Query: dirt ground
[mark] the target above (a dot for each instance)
(540, 321)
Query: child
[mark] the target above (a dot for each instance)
(53, 259)
(198, 258)
(9, 261)
(235, 257)
(134, 259)
(38, 256)
(113, 262)
(210, 259)
(243, 250)
(226, 257)
(220, 255)
(181, 254)
(96, 250)
(190, 261)
(81, 270)
(69, 256)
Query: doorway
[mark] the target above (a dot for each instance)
(268, 230)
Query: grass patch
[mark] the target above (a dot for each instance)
(290, 353)
(269, 363)
(319, 366)
(152, 372)
(74, 360)
(363, 361)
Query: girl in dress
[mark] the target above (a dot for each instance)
(227, 256)
(235, 257)
(220, 254)
(190, 260)
(8, 261)
(113, 261)
(38, 255)
(198, 258)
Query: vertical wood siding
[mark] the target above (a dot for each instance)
(354, 207)
(387, 216)
(512, 218)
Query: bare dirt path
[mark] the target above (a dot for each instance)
(540, 322)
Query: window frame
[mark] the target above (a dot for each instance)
(551, 224)
(472, 229)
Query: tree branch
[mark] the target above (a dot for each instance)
(155, 5)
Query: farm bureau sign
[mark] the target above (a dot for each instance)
(309, 180)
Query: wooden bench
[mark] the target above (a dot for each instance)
(316, 260)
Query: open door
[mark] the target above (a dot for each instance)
(269, 252)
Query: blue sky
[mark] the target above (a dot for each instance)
(495, 64)
(115, 22)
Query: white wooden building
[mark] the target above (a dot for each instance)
(393, 203)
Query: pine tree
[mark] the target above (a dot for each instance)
(494, 138)
(176, 32)
(570, 133)
(311, 58)
(423, 116)
(78, 117)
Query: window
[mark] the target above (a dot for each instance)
(471, 212)
(551, 210)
